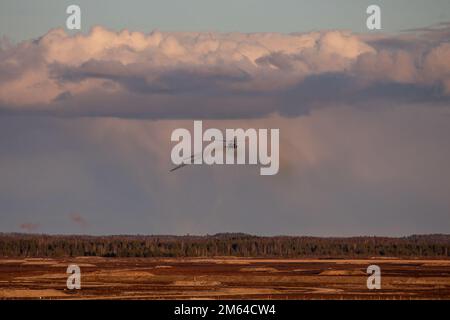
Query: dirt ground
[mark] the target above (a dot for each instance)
(223, 278)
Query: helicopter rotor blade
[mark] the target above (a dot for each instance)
(194, 156)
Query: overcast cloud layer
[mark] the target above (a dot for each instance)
(364, 127)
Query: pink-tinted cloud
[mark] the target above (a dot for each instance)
(78, 219)
(29, 227)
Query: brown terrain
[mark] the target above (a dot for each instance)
(223, 278)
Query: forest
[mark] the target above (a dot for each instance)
(226, 244)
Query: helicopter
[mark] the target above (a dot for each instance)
(227, 144)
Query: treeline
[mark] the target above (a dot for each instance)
(241, 245)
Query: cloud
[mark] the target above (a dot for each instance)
(29, 227)
(78, 219)
(169, 75)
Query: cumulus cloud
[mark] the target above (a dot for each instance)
(215, 75)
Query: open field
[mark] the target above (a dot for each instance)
(223, 278)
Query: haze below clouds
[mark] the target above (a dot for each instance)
(343, 171)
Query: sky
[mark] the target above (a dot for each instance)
(25, 19)
(86, 118)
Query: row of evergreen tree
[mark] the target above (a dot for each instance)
(242, 245)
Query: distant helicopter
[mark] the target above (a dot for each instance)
(227, 144)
